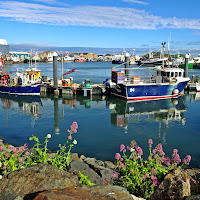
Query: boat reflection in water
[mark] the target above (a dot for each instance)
(165, 110)
(25, 104)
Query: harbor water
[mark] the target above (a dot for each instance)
(104, 122)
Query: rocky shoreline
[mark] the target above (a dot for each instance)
(46, 182)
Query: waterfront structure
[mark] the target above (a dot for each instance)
(17, 56)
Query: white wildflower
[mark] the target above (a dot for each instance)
(1, 176)
(49, 136)
(132, 150)
(0, 164)
(74, 142)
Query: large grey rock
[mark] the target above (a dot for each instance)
(195, 180)
(36, 178)
(193, 197)
(86, 192)
(95, 170)
(79, 165)
(176, 185)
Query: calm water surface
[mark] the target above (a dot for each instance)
(104, 122)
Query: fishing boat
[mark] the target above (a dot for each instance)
(26, 82)
(167, 82)
(198, 87)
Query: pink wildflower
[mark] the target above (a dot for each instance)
(117, 156)
(1, 147)
(121, 165)
(26, 153)
(131, 170)
(187, 160)
(153, 171)
(70, 137)
(19, 160)
(122, 147)
(114, 175)
(154, 178)
(154, 151)
(150, 141)
(149, 158)
(1, 141)
(147, 175)
(139, 150)
(133, 143)
(4, 166)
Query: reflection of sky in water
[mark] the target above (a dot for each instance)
(104, 123)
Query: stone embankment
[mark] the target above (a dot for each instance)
(46, 182)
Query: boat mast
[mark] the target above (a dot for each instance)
(162, 52)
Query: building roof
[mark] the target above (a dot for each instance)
(3, 42)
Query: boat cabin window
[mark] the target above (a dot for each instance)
(180, 74)
(176, 74)
(172, 74)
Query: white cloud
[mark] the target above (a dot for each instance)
(94, 16)
(136, 1)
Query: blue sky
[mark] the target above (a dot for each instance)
(102, 23)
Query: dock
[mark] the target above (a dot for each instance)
(94, 89)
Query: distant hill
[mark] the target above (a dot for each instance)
(98, 51)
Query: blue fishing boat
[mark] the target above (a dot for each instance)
(166, 83)
(26, 82)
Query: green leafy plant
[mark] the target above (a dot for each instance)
(140, 176)
(12, 158)
(84, 180)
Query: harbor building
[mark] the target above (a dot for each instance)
(4, 47)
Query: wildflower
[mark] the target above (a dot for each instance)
(121, 165)
(74, 142)
(150, 141)
(153, 171)
(154, 151)
(114, 175)
(147, 175)
(139, 150)
(26, 153)
(49, 136)
(1, 141)
(0, 164)
(25, 145)
(175, 151)
(131, 170)
(133, 143)
(154, 178)
(122, 147)
(1, 147)
(117, 156)
(187, 159)
(149, 158)
(19, 160)
(30, 138)
(1, 176)
(132, 150)
(70, 137)
(4, 166)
